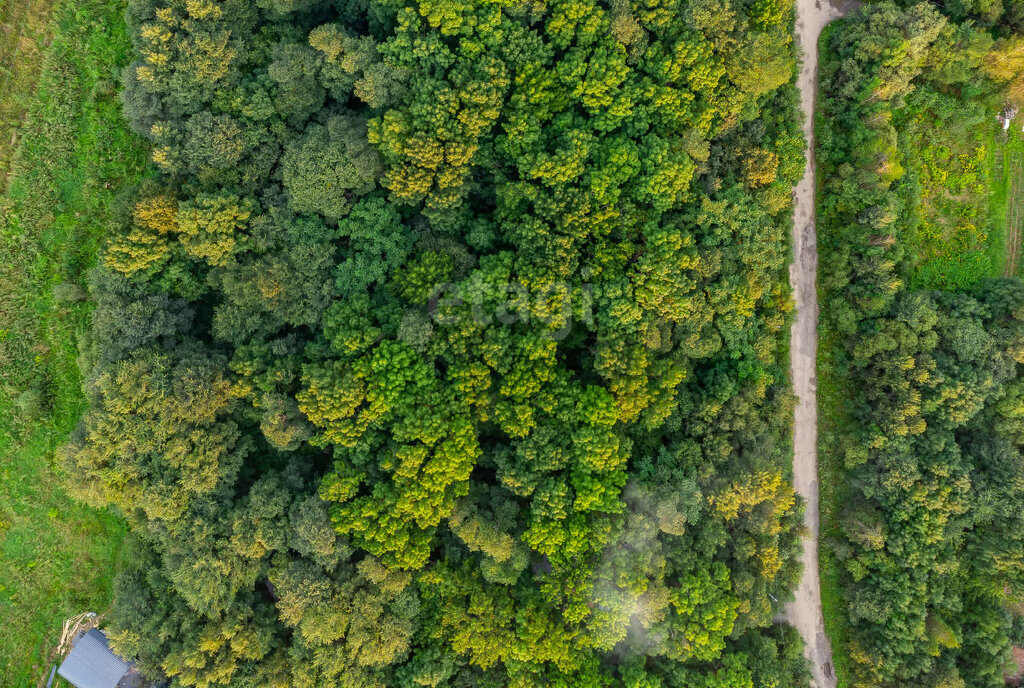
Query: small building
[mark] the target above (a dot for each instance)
(1009, 112)
(92, 664)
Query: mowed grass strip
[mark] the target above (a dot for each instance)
(1007, 204)
(24, 32)
(74, 158)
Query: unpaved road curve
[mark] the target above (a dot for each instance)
(805, 612)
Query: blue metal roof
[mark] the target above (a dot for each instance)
(92, 664)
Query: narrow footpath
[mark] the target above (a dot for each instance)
(805, 612)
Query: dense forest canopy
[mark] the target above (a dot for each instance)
(928, 346)
(445, 344)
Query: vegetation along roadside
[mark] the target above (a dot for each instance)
(921, 346)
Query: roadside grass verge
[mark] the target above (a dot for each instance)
(832, 393)
(74, 157)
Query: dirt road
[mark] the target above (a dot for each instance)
(805, 612)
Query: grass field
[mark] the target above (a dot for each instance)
(24, 31)
(971, 205)
(954, 169)
(73, 157)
